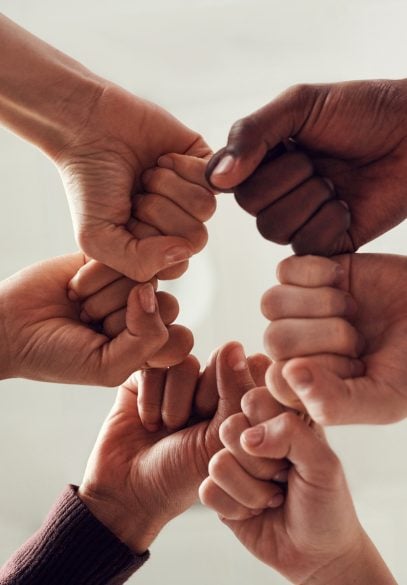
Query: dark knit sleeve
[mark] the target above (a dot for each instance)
(71, 548)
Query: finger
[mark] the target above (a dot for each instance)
(139, 260)
(288, 338)
(288, 301)
(248, 491)
(233, 379)
(258, 467)
(171, 220)
(273, 180)
(287, 436)
(258, 365)
(151, 385)
(141, 230)
(212, 496)
(168, 307)
(107, 300)
(90, 278)
(114, 360)
(326, 233)
(194, 199)
(190, 168)
(340, 366)
(251, 137)
(206, 397)
(259, 405)
(179, 393)
(309, 271)
(282, 218)
(331, 400)
(178, 345)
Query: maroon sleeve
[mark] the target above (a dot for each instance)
(71, 548)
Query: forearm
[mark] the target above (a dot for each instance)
(45, 96)
(363, 565)
(71, 547)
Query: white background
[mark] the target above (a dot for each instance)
(209, 62)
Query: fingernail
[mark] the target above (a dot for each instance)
(339, 274)
(276, 501)
(165, 162)
(301, 379)
(345, 205)
(177, 254)
(254, 436)
(147, 298)
(225, 165)
(84, 316)
(350, 306)
(281, 476)
(236, 359)
(357, 368)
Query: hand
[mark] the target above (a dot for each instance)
(338, 337)
(176, 201)
(44, 338)
(315, 536)
(342, 178)
(136, 481)
(102, 166)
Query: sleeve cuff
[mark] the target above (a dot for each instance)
(71, 548)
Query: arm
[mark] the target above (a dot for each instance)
(55, 553)
(101, 139)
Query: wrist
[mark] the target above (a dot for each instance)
(360, 565)
(134, 527)
(45, 97)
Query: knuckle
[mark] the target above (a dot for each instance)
(272, 302)
(344, 335)
(229, 429)
(219, 464)
(275, 340)
(272, 229)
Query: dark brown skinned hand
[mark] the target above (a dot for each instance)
(323, 167)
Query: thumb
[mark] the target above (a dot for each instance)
(330, 400)
(256, 135)
(233, 379)
(144, 335)
(138, 259)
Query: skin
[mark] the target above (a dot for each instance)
(335, 174)
(176, 201)
(137, 480)
(314, 537)
(43, 337)
(338, 337)
(102, 139)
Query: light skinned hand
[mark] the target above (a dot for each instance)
(102, 139)
(43, 337)
(339, 181)
(313, 537)
(137, 480)
(338, 337)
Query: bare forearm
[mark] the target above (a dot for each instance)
(363, 565)
(45, 96)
